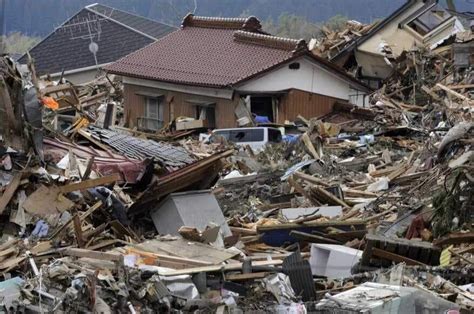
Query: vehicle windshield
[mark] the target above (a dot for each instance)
(243, 135)
(274, 136)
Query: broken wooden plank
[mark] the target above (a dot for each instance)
(93, 254)
(310, 179)
(312, 238)
(307, 142)
(328, 196)
(455, 238)
(242, 231)
(165, 260)
(395, 257)
(455, 94)
(10, 191)
(78, 230)
(7, 104)
(245, 277)
(91, 183)
(217, 268)
(88, 170)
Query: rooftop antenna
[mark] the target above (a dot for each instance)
(87, 28)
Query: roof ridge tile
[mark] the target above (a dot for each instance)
(250, 23)
(288, 44)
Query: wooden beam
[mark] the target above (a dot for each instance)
(78, 230)
(7, 103)
(88, 170)
(10, 191)
(217, 268)
(310, 146)
(395, 257)
(310, 179)
(455, 238)
(242, 231)
(322, 192)
(245, 277)
(312, 238)
(90, 183)
(93, 254)
(455, 94)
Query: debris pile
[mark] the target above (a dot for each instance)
(333, 42)
(358, 210)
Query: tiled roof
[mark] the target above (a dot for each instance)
(116, 32)
(214, 52)
(139, 23)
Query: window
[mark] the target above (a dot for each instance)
(274, 136)
(247, 135)
(429, 20)
(153, 119)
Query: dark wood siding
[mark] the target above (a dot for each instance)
(307, 104)
(176, 105)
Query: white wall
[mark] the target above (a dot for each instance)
(79, 77)
(309, 77)
(398, 39)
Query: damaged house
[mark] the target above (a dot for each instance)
(211, 66)
(94, 37)
(417, 23)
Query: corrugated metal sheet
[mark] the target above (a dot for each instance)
(133, 147)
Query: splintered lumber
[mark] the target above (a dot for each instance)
(381, 251)
(357, 193)
(216, 268)
(310, 179)
(91, 183)
(82, 217)
(244, 277)
(298, 188)
(395, 257)
(93, 254)
(167, 260)
(242, 231)
(278, 235)
(308, 237)
(325, 196)
(310, 146)
(7, 103)
(78, 230)
(455, 94)
(9, 192)
(455, 238)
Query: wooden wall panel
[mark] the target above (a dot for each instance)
(176, 105)
(292, 104)
(307, 104)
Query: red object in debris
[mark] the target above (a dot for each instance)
(50, 103)
(105, 162)
(416, 226)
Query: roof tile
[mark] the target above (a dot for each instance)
(205, 55)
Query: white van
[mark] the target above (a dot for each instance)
(256, 137)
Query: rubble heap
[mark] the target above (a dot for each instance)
(359, 210)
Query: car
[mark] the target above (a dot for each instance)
(256, 137)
